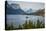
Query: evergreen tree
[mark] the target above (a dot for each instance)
(20, 27)
(34, 25)
(38, 23)
(10, 27)
(42, 25)
(25, 25)
(30, 24)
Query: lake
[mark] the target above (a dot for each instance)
(20, 19)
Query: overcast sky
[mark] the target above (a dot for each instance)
(27, 5)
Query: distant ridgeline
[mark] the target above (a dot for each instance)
(40, 12)
(15, 9)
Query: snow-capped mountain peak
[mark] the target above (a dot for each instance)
(15, 6)
(29, 11)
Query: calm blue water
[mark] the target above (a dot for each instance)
(20, 19)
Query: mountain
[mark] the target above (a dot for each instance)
(40, 12)
(14, 9)
(29, 11)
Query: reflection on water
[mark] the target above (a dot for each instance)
(20, 19)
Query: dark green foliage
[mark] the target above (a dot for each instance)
(27, 25)
(20, 27)
(30, 25)
(10, 27)
(40, 24)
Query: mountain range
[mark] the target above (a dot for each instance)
(40, 12)
(15, 9)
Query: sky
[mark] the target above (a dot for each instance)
(28, 5)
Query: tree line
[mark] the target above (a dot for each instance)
(27, 25)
